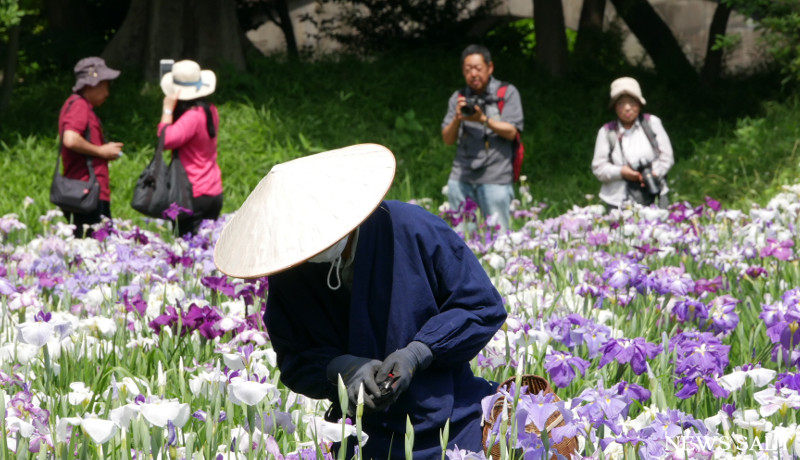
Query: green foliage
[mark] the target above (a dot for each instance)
(780, 22)
(10, 14)
(726, 42)
(750, 164)
(515, 37)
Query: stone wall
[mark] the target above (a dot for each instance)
(688, 19)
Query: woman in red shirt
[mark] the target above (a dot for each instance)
(82, 137)
(191, 124)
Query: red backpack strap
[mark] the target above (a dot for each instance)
(501, 96)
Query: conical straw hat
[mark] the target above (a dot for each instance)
(302, 207)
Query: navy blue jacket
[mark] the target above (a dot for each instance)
(414, 279)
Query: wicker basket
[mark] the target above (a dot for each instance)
(535, 384)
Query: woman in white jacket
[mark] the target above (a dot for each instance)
(632, 154)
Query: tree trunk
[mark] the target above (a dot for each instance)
(590, 27)
(551, 37)
(206, 31)
(712, 68)
(10, 68)
(287, 28)
(656, 38)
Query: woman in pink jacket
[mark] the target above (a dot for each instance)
(191, 124)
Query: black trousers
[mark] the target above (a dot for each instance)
(204, 207)
(89, 218)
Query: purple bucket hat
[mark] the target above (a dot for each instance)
(91, 71)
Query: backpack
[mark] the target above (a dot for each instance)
(517, 148)
(644, 120)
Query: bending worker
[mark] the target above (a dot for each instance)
(375, 291)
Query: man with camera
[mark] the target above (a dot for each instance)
(483, 118)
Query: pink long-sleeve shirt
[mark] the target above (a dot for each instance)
(197, 151)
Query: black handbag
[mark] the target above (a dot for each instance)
(160, 185)
(75, 195)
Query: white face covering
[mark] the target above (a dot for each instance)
(332, 253)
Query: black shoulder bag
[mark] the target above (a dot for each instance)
(160, 185)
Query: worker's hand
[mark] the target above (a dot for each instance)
(355, 372)
(401, 366)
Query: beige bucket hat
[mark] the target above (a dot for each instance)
(626, 85)
(192, 82)
(302, 207)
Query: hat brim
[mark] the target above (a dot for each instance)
(103, 75)
(187, 93)
(302, 207)
(616, 97)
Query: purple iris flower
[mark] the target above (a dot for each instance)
(174, 210)
(788, 380)
(729, 409)
(622, 272)
(689, 310)
(562, 329)
(168, 319)
(632, 391)
(779, 250)
(703, 285)
(276, 419)
(597, 238)
(722, 314)
(691, 384)
(6, 288)
(219, 283)
(537, 408)
(636, 352)
(603, 406)
(699, 350)
(174, 259)
(755, 272)
(713, 204)
(561, 367)
(42, 317)
(136, 304)
(672, 280)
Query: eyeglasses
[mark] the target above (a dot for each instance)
(470, 68)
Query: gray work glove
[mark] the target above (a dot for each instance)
(356, 371)
(400, 367)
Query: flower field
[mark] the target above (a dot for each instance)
(665, 333)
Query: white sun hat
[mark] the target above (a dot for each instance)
(626, 85)
(302, 207)
(187, 77)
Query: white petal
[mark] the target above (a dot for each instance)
(25, 429)
(61, 427)
(160, 413)
(122, 416)
(35, 333)
(761, 376)
(249, 393)
(99, 430)
(233, 361)
(732, 381)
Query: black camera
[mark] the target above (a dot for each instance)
(479, 100)
(650, 182)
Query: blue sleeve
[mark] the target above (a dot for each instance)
(470, 310)
(301, 359)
